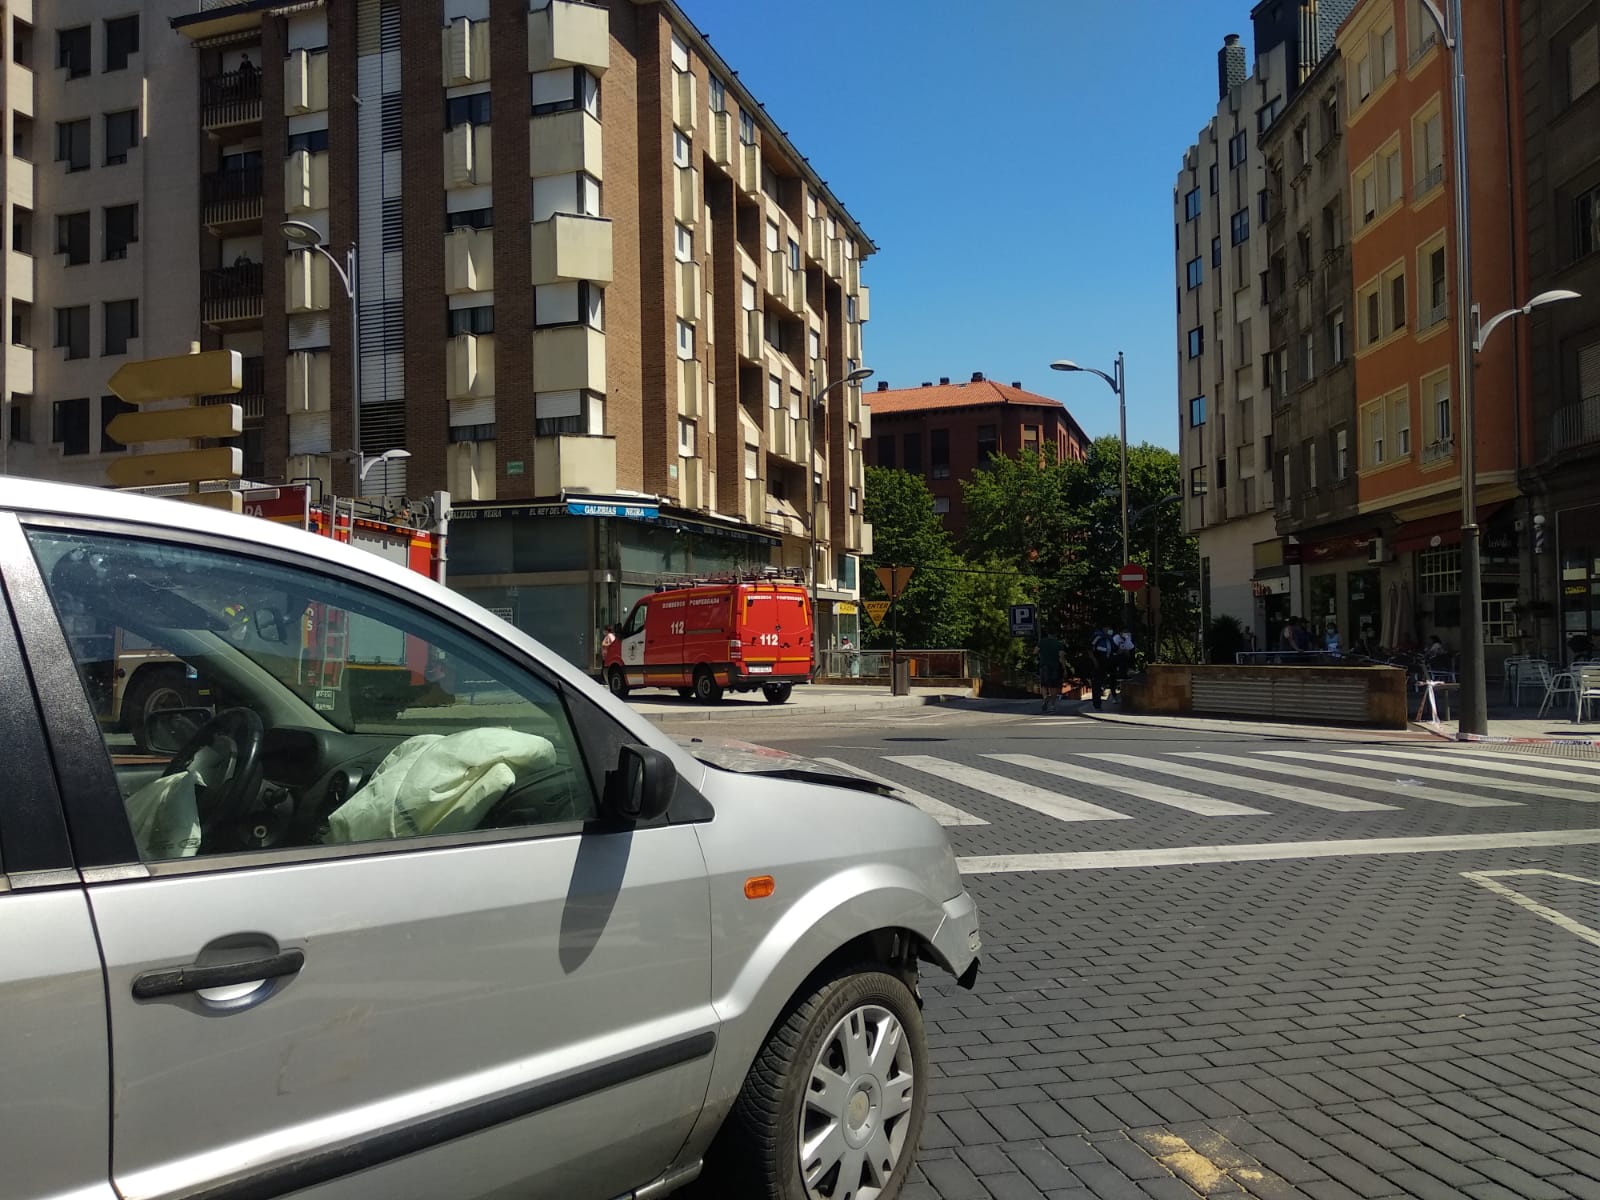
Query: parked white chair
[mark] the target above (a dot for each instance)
(1586, 679)
(1532, 674)
(1557, 685)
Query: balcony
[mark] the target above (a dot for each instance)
(252, 394)
(1434, 178)
(690, 293)
(231, 295)
(469, 261)
(691, 483)
(752, 337)
(1442, 451)
(570, 34)
(569, 247)
(748, 173)
(724, 140)
(230, 100)
(685, 102)
(563, 142)
(1573, 427)
(231, 199)
(571, 462)
(569, 358)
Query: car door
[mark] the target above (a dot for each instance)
(422, 988)
(55, 1109)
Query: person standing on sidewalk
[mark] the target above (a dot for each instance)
(1051, 657)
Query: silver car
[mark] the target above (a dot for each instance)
(393, 902)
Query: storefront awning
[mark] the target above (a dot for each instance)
(1420, 534)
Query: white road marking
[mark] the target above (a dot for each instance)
(1416, 791)
(1185, 856)
(1491, 880)
(1464, 774)
(1569, 768)
(941, 812)
(1062, 808)
(1156, 793)
(1244, 783)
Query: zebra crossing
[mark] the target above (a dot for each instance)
(1073, 787)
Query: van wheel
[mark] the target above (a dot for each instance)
(834, 1103)
(706, 688)
(686, 693)
(776, 693)
(617, 682)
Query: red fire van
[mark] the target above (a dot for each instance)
(708, 638)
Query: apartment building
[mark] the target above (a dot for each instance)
(1559, 44)
(594, 288)
(1319, 569)
(947, 431)
(1397, 114)
(102, 256)
(1225, 375)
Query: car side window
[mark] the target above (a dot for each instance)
(635, 620)
(249, 705)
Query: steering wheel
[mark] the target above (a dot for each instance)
(236, 734)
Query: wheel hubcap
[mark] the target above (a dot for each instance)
(857, 1108)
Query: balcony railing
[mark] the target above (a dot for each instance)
(231, 294)
(1439, 451)
(252, 393)
(1573, 426)
(1431, 180)
(231, 98)
(231, 197)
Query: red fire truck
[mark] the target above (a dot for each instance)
(361, 667)
(709, 637)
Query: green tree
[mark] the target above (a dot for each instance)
(932, 612)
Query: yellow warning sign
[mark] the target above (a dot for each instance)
(876, 609)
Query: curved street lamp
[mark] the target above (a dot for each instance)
(818, 395)
(306, 236)
(1118, 382)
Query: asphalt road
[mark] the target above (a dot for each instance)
(1235, 965)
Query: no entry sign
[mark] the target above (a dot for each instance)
(1132, 577)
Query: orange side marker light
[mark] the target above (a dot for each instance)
(759, 887)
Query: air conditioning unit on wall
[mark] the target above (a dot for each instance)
(1377, 551)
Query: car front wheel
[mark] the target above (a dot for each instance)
(617, 681)
(833, 1106)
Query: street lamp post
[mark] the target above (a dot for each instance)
(1469, 342)
(308, 237)
(1118, 382)
(818, 395)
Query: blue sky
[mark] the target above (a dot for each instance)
(1013, 161)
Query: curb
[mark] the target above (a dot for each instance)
(774, 711)
(1491, 739)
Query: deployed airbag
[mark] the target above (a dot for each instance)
(439, 784)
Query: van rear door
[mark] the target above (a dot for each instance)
(775, 627)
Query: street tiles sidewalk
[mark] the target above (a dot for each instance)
(1331, 1030)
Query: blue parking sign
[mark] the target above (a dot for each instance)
(1023, 620)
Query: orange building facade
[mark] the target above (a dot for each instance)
(1406, 443)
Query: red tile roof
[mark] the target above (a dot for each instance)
(954, 395)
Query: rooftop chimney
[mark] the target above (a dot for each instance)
(883, 385)
(925, 383)
(977, 377)
(943, 380)
(1017, 383)
(1232, 67)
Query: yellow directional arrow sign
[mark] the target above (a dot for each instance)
(212, 421)
(212, 373)
(184, 466)
(877, 610)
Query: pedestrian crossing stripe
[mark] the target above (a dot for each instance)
(1052, 804)
(1156, 793)
(1237, 782)
(1522, 764)
(1467, 774)
(941, 812)
(1299, 770)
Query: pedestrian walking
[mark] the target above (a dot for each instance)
(1125, 653)
(1101, 652)
(1052, 660)
(607, 640)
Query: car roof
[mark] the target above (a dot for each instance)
(166, 516)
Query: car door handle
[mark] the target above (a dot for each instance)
(173, 981)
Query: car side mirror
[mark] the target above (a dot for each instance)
(640, 786)
(169, 730)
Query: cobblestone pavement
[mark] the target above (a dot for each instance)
(1382, 1025)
